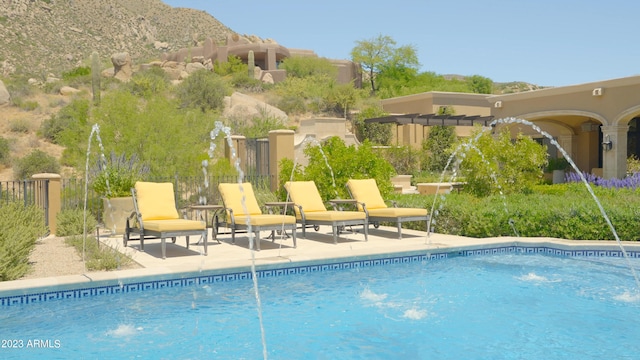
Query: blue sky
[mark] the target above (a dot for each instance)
(545, 42)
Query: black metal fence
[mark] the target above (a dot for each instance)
(257, 156)
(28, 192)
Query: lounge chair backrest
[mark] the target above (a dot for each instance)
(232, 197)
(156, 201)
(305, 194)
(366, 191)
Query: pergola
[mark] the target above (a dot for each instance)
(432, 120)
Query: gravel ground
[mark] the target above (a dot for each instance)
(52, 257)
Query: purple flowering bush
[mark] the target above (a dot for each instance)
(630, 182)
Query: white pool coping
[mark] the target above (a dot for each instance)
(317, 248)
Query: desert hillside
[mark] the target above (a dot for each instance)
(51, 36)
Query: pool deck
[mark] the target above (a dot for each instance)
(318, 248)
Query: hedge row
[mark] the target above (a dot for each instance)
(568, 211)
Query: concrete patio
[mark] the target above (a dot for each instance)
(317, 248)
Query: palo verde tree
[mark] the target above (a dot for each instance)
(381, 54)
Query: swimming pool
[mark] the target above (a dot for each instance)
(490, 306)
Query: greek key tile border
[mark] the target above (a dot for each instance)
(303, 269)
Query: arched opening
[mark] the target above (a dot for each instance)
(633, 137)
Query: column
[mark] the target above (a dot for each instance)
(614, 156)
(54, 194)
(281, 146)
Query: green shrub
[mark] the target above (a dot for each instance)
(36, 162)
(26, 105)
(19, 89)
(569, 212)
(149, 82)
(305, 66)
(66, 128)
(494, 164)
(72, 222)
(300, 95)
(376, 133)
(116, 176)
(333, 163)
(20, 227)
(633, 164)
(241, 81)
(98, 257)
(404, 159)
(19, 126)
(233, 65)
(202, 90)
(77, 72)
(438, 147)
(176, 146)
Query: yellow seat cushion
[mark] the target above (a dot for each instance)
(332, 215)
(305, 194)
(156, 201)
(397, 212)
(266, 219)
(233, 197)
(173, 225)
(366, 191)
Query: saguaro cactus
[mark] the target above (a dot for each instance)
(95, 77)
(251, 64)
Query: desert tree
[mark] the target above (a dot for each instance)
(381, 54)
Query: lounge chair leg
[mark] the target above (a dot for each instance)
(335, 235)
(164, 248)
(399, 230)
(187, 242)
(233, 235)
(294, 237)
(256, 240)
(204, 237)
(366, 231)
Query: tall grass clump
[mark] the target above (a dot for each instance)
(20, 227)
(71, 222)
(98, 257)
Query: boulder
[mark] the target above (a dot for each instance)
(68, 90)
(267, 78)
(123, 69)
(245, 107)
(193, 67)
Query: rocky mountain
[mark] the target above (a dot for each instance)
(51, 36)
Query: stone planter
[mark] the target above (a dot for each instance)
(116, 211)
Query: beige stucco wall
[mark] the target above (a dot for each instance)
(561, 112)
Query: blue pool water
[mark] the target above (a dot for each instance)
(480, 307)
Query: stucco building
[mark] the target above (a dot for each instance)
(595, 123)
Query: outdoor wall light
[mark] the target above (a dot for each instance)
(607, 144)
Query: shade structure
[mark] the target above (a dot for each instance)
(432, 120)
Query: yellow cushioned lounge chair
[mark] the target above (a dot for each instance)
(156, 217)
(369, 200)
(310, 210)
(240, 216)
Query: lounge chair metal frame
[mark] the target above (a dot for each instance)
(336, 225)
(135, 225)
(376, 219)
(234, 226)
